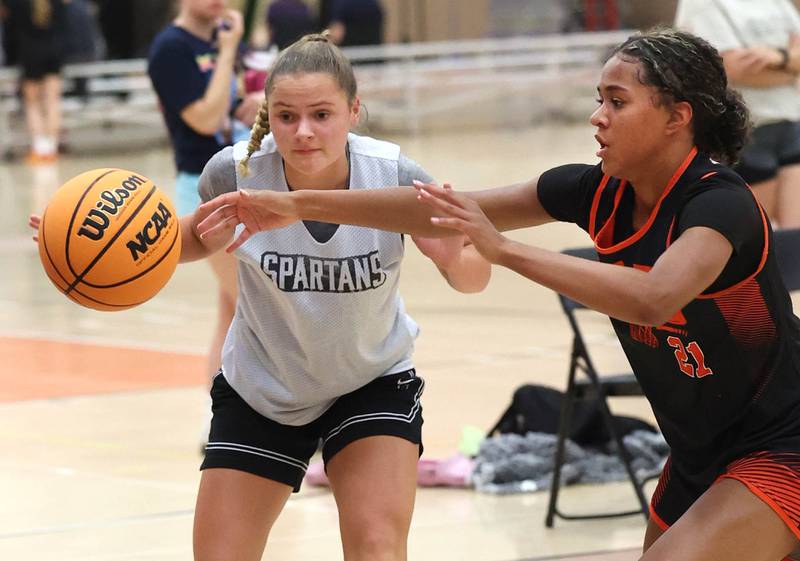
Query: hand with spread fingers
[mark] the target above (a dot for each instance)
(256, 210)
(463, 214)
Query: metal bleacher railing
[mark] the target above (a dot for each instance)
(114, 93)
(438, 84)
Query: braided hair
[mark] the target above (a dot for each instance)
(684, 67)
(314, 53)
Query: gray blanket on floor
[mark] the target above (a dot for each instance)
(511, 463)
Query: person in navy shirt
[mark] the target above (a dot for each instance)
(192, 67)
(356, 23)
(287, 21)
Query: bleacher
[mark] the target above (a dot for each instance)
(107, 104)
(490, 82)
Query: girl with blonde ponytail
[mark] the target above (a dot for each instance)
(312, 53)
(320, 347)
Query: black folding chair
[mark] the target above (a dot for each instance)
(590, 387)
(593, 386)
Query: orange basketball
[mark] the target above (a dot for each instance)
(109, 239)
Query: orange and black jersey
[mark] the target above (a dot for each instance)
(722, 375)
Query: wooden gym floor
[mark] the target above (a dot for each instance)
(102, 412)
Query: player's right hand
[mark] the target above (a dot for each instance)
(33, 221)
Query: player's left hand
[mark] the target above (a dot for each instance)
(461, 213)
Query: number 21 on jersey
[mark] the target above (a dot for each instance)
(682, 354)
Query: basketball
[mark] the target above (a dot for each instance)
(109, 239)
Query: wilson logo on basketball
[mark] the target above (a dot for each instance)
(150, 233)
(95, 224)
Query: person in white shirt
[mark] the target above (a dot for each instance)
(320, 347)
(760, 47)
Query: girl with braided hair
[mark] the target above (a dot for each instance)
(686, 271)
(320, 346)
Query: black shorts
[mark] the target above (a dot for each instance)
(38, 62)
(772, 475)
(770, 148)
(243, 439)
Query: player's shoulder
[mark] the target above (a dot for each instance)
(705, 173)
(368, 146)
(715, 187)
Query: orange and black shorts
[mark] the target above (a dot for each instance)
(773, 476)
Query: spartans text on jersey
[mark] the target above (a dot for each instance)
(304, 273)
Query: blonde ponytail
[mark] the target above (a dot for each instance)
(260, 130)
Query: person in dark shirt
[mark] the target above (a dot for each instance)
(115, 18)
(686, 270)
(80, 37)
(191, 65)
(357, 23)
(287, 21)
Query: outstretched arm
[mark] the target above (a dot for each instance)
(652, 297)
(394, 209)
(192, 247)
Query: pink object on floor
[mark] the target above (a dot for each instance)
(455, 471)
(426, 472)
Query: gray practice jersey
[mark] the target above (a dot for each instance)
(315, 318)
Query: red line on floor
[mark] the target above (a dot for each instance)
(42, 369)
